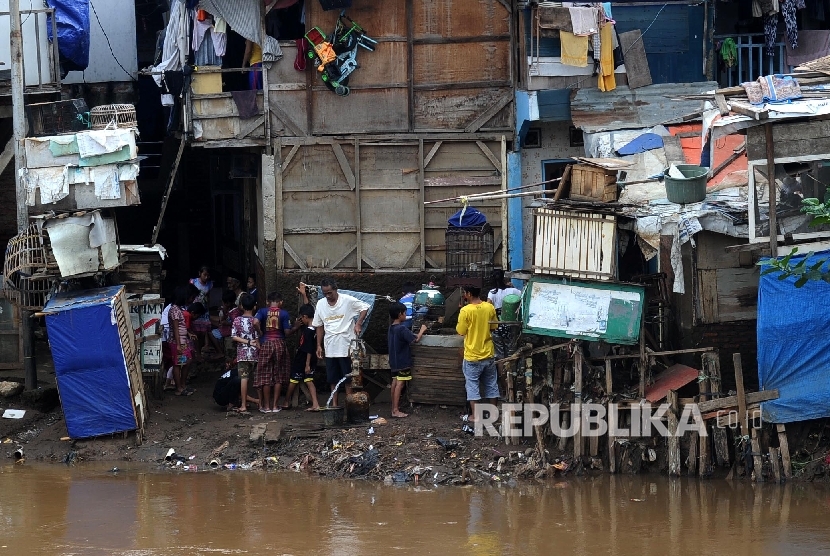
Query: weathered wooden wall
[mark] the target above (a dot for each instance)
(438, 67)
(357, 204)
(791, 140)
(726, 285)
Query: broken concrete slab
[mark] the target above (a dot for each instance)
(273, 433)
(257, 433)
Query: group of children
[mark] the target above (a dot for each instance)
(257, 342)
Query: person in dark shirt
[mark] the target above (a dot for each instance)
(400, 337)
(305, 360)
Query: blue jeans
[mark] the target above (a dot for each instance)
(478, 374)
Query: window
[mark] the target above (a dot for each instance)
(553, 169)
(533, 138)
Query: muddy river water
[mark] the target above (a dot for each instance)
(54, 509)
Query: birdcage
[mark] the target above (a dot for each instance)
(469, 255)
(30, 270)
(113, 116)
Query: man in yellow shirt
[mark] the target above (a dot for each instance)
(253, 58)
(476, 321)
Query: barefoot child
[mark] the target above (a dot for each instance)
(400, 337)
(246, 337)
(305, 360)
(180, 353)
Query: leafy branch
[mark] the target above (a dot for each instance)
(820, 211)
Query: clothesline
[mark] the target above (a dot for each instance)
(500, 194)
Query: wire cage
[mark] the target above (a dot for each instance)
(113, 116)
(470, 253)
(30, 271)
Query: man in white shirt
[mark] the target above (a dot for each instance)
(334, 322)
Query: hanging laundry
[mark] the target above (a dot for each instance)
(788, 8)
(770, 33)
(596, 46)
(220, 36)
(206, 55)
(606, 81)
(584, 20)
(200, 29)
(574, 49)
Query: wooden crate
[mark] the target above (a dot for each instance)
(575, 244)
(590, 183)
(436, 375)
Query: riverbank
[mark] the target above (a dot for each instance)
(430, 446)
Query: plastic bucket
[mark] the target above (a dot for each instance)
(510, 307)
(691, 188)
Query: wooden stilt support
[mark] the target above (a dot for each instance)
(692, 460)
(578, 440)
(609, 388)
(705, 459)
(758, 463)
(776, 465)
(719, 435)
(784, 446)
(674, 441)
(739, 386)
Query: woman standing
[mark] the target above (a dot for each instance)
(201, 326)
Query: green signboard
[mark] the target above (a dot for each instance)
(595, 311)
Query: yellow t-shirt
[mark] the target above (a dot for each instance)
(256, 54)
(474, 324)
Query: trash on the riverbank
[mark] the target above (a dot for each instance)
(230, 466)
(170, 453)
(214, 463)
(371, 430)
(65, 438)
(7, 441)
(373, 417)
(192, 457)
(447, 444)
(191, 467)
(400, 477)
(14, 413)
(379, 421)
(365, 462)
(18, 454)
(114, 470)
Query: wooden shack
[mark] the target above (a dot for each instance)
(343, 179)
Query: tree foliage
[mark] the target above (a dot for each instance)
(820, 211)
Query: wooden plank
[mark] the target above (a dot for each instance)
(250, 126)
(773, 189)
(758, 464)
(732, 401)
(636, 63)
(711, 368)
(609, 388)
(431, 153)
(741, 397)
(784, 446)
(674, 440)
(344, 164)
(421, 208)
(776, 465)
(490, 156)
(357, 205)
(287, 120)
(410, 66)
(7, 155)
(577, 363)
(488, 114)
(295, 256)
(708, 295)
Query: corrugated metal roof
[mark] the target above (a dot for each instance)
(593, 110)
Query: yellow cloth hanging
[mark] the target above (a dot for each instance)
(606, 80)
(574, 49)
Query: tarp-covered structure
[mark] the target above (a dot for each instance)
(72, 23)
(96, 367)
(793, 346)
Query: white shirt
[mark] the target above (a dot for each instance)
(338, 323)
(165, 324)
(496, 296)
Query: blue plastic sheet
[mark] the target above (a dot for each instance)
(89, 363)
(793, 347)
(72, 22)
(467, 217)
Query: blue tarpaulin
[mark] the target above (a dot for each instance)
(794, 347)
(72, 22)
(90, 369)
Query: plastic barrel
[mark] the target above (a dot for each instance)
(691, 188)
(510, 307)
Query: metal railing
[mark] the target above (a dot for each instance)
(49, 77)
(752, 61)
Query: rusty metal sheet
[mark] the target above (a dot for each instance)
(593, 111)
(672, 378)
